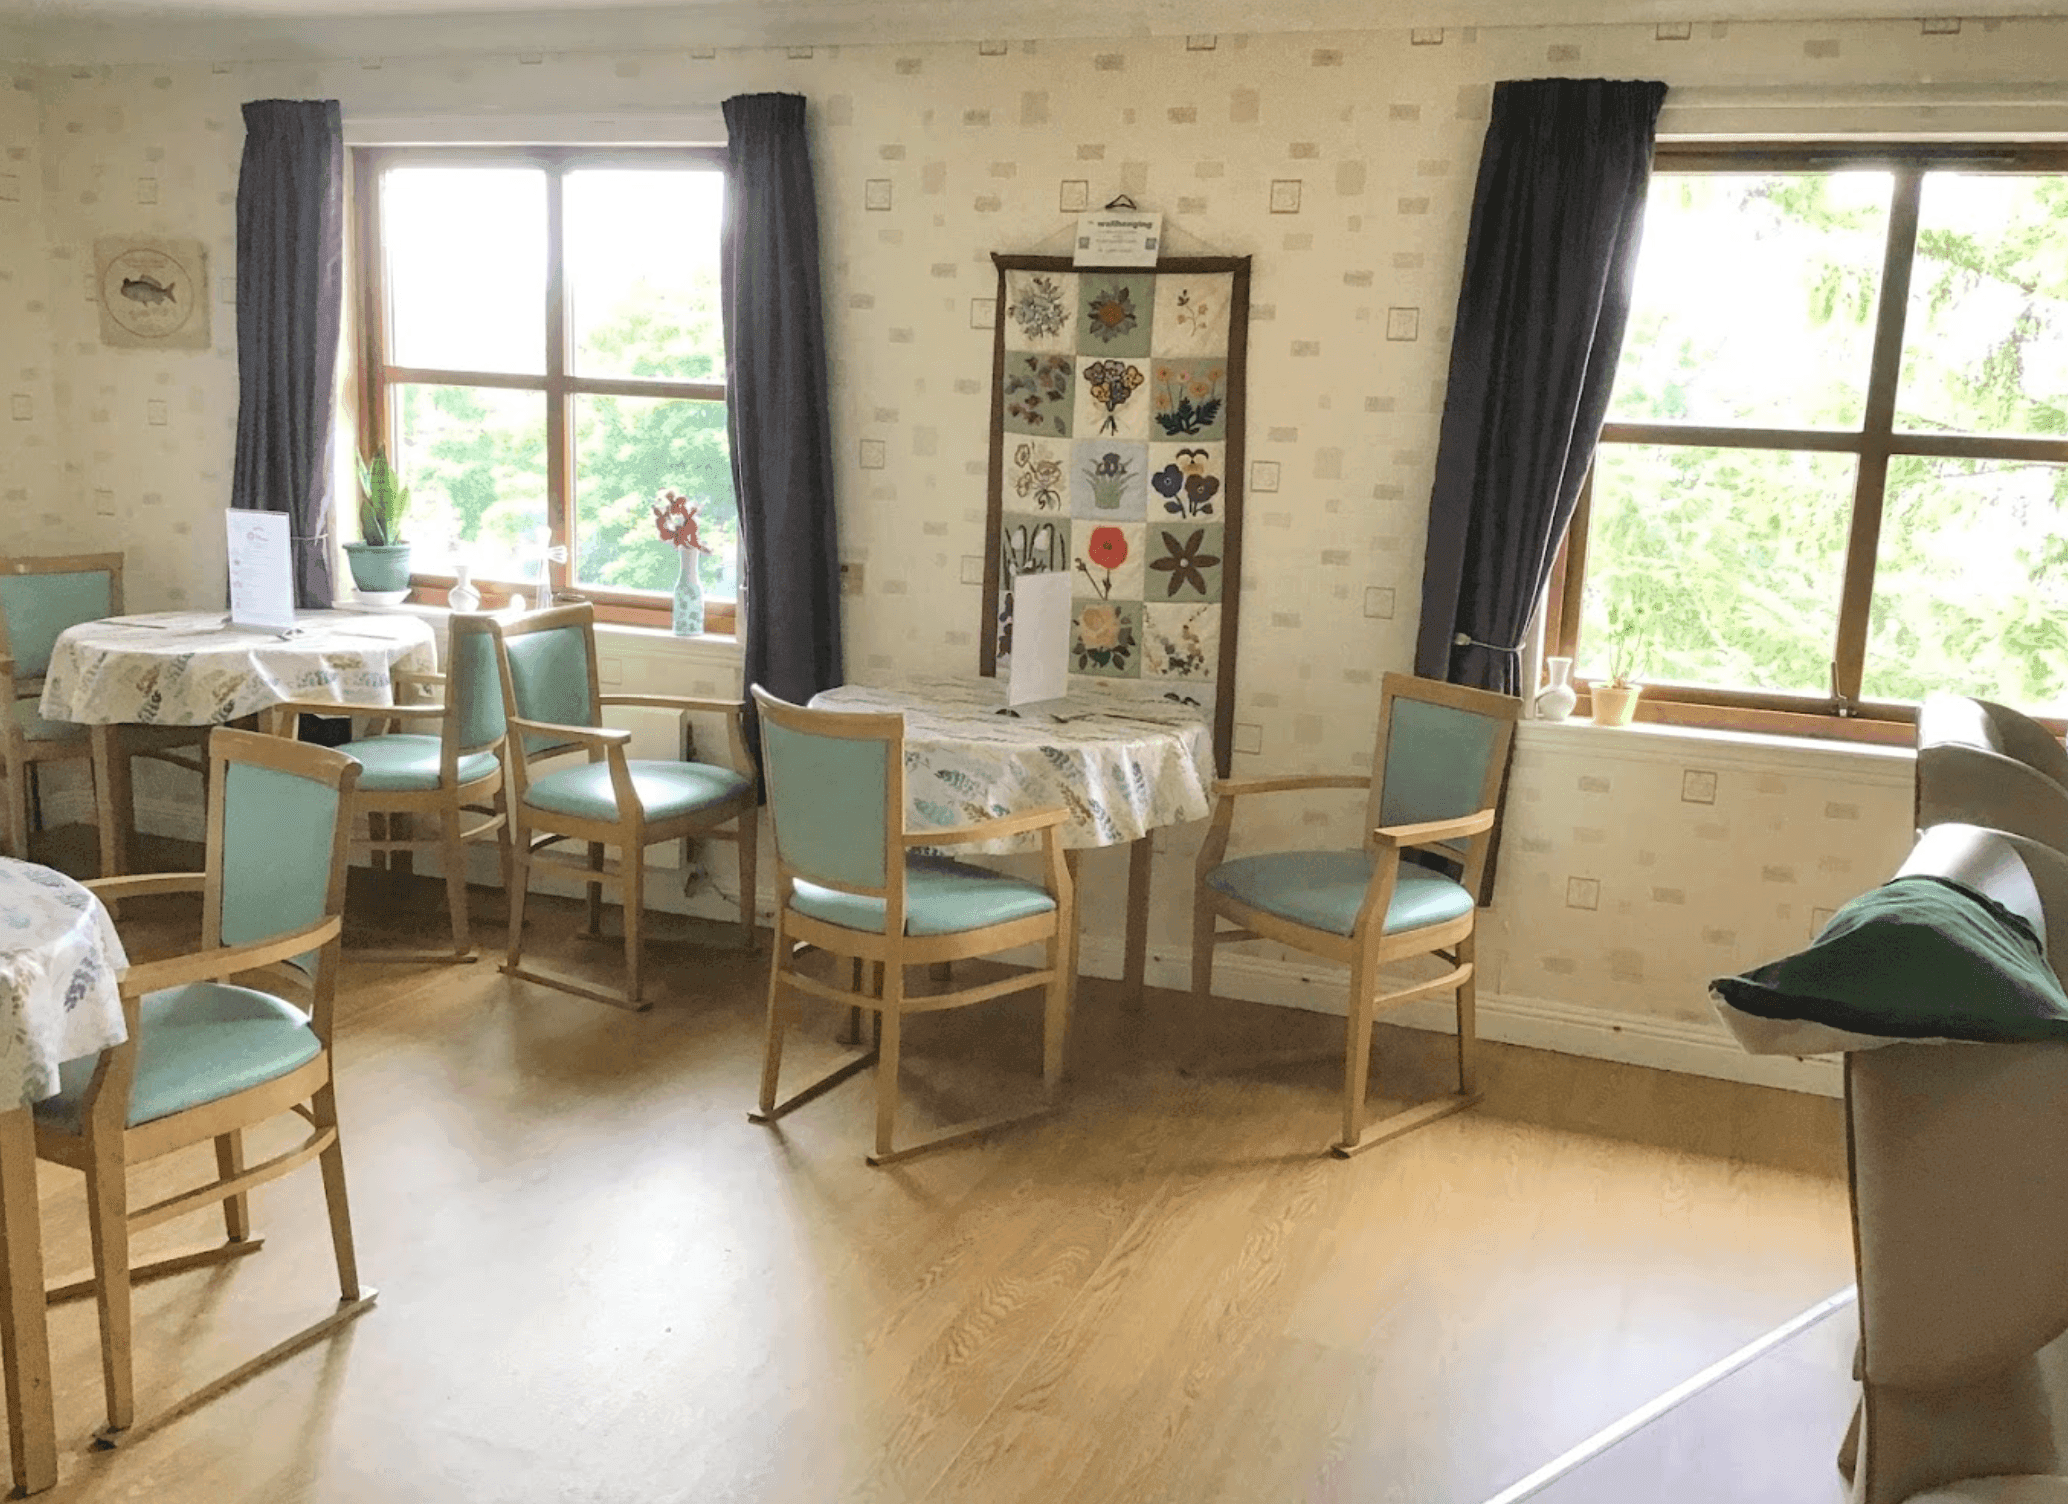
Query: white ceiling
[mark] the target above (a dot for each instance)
(95, 30)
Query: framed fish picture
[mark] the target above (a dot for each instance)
(152, 292)
(1117, 455)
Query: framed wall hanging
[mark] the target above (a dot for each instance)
(1117, 454)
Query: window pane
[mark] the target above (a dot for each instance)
(474, 459)
(1755, 300)
(466, 267)
(642, 273)
(628, 449)
(1971, 583)
(1716, 566)
(1985, 344)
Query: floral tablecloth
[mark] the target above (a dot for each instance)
(59, 960)
(1121, 768)
(185, 668)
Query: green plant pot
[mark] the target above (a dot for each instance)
(379, 566)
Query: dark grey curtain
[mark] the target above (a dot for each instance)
(290, 304)
(1556, 220)
(778, 407)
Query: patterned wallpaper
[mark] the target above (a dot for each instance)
(1637, 865)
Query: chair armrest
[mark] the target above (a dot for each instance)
(595, 736)
(1236, 788)
(990, 830)
(1433, 832)
(144, 884)
(227, 960)
(679, 702)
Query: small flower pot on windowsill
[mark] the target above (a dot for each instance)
(1615, 704)
(382, 567)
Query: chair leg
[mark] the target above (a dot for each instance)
(229, 1163)
(502, 837)
(323, 1109)
(890, 988)
(1468, 1019)
(518, 890)
(772, 1050)
(1203, 927)
(634, 860)
(1055, 1022)
(750, 840)
(107, 1224)
(1357, 1051)
(596, 891)
(112, 806)
(377, 831)
(454, 856)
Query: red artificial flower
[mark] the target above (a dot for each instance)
(675, 520)
(1108, 547)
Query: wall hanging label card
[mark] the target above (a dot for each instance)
(1117, 237)
(1040, 639)
(261, 574)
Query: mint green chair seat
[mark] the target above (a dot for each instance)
(36, 729)
(198, 1043)
(942, 897)
(409, 763)
(1324, 890)
(665, 790)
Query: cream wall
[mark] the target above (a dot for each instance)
(1637, 865)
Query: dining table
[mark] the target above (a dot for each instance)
(1123, 767)
(173, 669)
(60, 967)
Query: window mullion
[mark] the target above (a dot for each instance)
(1864, 542)
(559, 440)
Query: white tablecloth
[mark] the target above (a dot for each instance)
(1120, 768)
(185, 668)
(59, 958)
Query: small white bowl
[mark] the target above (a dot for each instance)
(382, 597)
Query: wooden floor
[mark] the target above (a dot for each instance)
(600, 1283)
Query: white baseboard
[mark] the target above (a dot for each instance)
(1536, 1023)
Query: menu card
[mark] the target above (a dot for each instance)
(261, 574)
(1040, 638)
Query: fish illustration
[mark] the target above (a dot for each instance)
(145, 290)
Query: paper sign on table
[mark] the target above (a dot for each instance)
(1040, 638)
(261, 575)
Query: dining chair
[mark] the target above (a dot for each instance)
(555, 708)
(206, 1060)
(848, 882)
(448, 775)
(39, 598)
(1980, 763)
(1435, 788)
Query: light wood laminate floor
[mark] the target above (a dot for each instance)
(600, 1283)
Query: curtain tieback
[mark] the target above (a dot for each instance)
(1467, 640)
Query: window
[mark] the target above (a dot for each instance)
(1834, 475)
(542, 353)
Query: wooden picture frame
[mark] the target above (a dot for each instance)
(1118, 453)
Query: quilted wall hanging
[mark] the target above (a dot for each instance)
(1117, 455)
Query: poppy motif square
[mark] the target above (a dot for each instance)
(1112, 398)
(1189, 399)
(1115, 313)
(1181, 642)
(1107, 561)
(1106, 639)
(1040, 311)
(1039, 392)
(1109, 481)
(1183, 562)
(1192, 314)
(1188, 480)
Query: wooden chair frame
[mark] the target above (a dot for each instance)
(534, 830)
(105, 1146)
(888, 954)
(1367, 949)
(103, 749)
(390, 810)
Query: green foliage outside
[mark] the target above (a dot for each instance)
(1756, 305)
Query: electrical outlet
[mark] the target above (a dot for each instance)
(850, 577)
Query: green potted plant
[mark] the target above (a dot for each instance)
(380, 564)
(1615, 701)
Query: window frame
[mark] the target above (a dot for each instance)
(1841, 713)
(376, 376)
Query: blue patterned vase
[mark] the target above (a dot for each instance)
(689, 594)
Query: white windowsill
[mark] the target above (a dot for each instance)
(1650, 742)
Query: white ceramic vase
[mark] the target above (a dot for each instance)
(463, 596)
(1559, 697)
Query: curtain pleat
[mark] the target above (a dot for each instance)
(290, 305)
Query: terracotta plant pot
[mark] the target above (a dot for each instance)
(1614, 705)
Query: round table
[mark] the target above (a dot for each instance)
(186, 668)
(60, 961)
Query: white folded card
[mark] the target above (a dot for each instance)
(1040, 638)
(261, 573)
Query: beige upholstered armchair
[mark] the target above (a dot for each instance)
(1980, 763)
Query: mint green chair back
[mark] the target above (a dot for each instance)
(1443, 754)
(549, 680)
(474, 687)
(829, 801)
(38, 607)
(280, 834)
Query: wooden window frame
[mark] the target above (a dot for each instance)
(558, 385)
(1841, 713)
